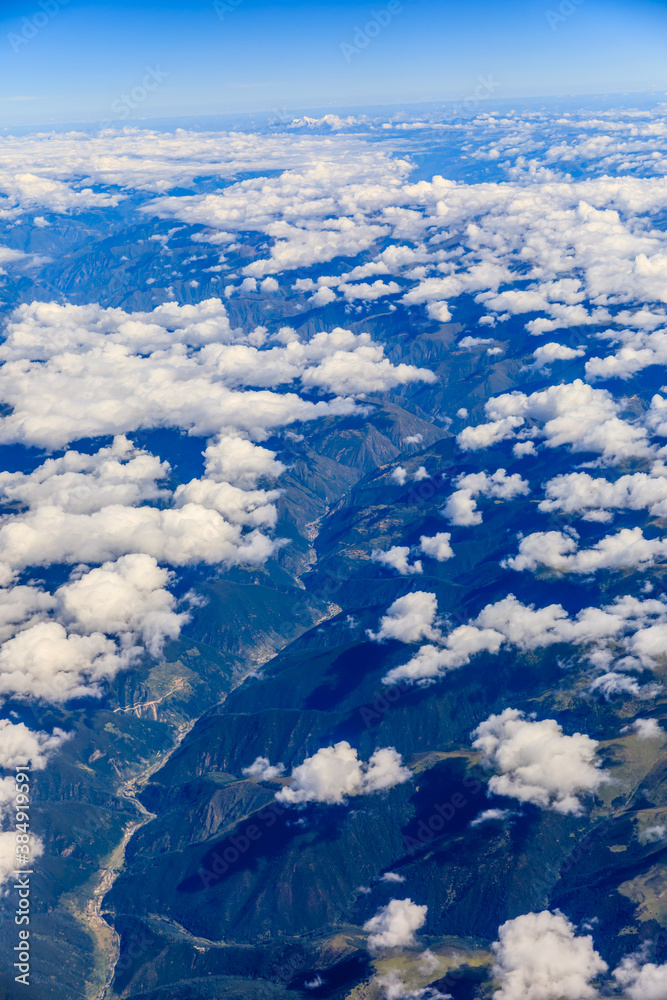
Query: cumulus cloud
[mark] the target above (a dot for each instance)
(572, 415)
(179, 367)
(239, 462)
(82, 483)
(183, 536)
(555, 352)
(45, 662)
(560, 552)
(641, 981)
(461, 507)
(492, 816)
(437, 546)
(409, 619)
(596, 498)
(433, 661)
(22, 746)
(398, 558)
(536, 762)
(645, 729)
(395, 925)
(539, 956)
(636, 628)
(335, 773)
(264, 770)
(126, 598)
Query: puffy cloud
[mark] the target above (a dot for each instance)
(44, 662)
(238, 461)
(466, 343)
(364, 370)
(80, 483)
(652, 834)
(573, 415)
(595, 497)
(645, 729)
(22, 606)
(627, 549)
(409, 619)
(538, 956)
(178, 366)
(547, 353)
(459, 646)
(20, 745)
(526, 627)
(126, 598)
(536, 762)
(461, 508)
(398, 558)
(184, 536)
(251, 508)
(437, 546)
(395, 925)
(262, 769)
(641, 981)
(640, 350)
(335, 773)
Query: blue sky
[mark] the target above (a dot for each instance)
(76, 60)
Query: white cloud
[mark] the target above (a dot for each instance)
(394, 988)
(398, 558)
(573, 415)
(526, 627)
(627, 549)
(492, 816)
(437, 546)
(395, 925)
(335, 773)
(44, 662)
(409, 619)
(538, 956)
(81, 483)
(20, 745)
(263, 769)
(652, 834)
(645, 729)
(126, 598)
(547, 353)
(238, 461)
(183, 536)
(578, 492)
(431, 662)
(461, 507)
(536, 762)
(641, 981)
